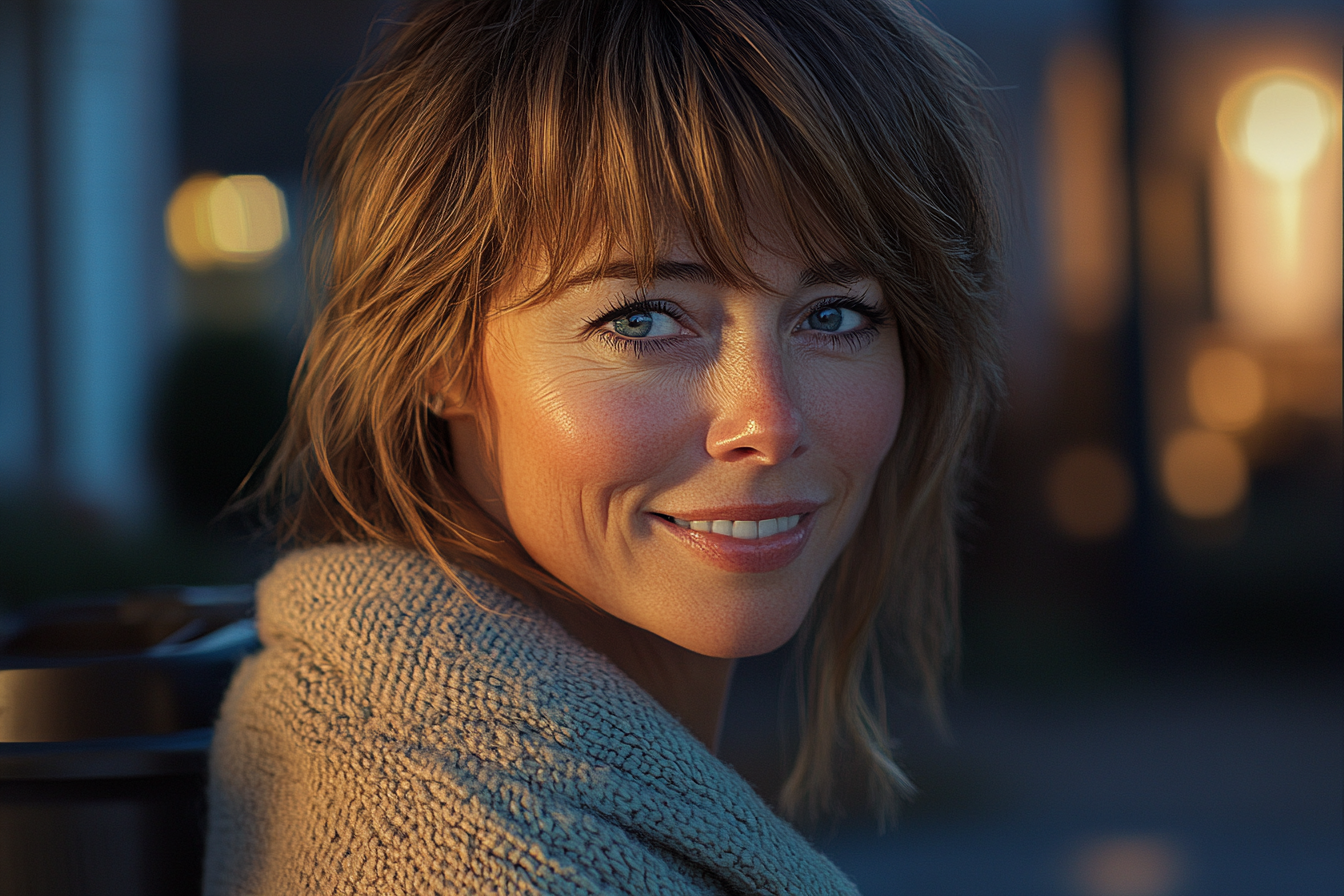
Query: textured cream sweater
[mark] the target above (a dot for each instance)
(393, 737)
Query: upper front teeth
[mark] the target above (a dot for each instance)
(741, 528)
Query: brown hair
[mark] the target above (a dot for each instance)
(478, 133)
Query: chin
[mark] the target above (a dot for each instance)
(736, 638)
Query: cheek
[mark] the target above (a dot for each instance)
(572, 441)
(855, 412)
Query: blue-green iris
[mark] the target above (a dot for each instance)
(827, 319)
(637, 323)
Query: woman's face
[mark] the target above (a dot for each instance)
(690, 457)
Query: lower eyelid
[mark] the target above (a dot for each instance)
(626, 343)
(855, 338)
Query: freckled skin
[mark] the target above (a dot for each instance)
(746, 403)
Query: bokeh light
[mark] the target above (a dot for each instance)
(1226, 388)
(1128, 866)
(1090, 492)
(1082, 171)
(1276, 207)
(1204, 474)
(216, 221)
(1284, 124)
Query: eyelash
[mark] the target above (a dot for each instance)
(621, 308)
(853, 339)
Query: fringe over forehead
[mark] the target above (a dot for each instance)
(561, 123)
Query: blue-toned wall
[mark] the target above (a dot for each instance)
(102, 85)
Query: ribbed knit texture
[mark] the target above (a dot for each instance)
(394, 737)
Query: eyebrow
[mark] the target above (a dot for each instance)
(837, 272)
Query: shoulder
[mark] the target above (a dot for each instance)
(336, 597)
(405, 636)
(386, 731)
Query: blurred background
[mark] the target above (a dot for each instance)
(1150, 696)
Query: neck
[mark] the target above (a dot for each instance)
(691, 686)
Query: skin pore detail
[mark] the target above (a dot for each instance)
(622, 414)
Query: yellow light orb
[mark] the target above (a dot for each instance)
(233, 221)
(1129, 866)
(186, 222)
(1278, 121)
(247, 216)
(1090, 492)
(1204, 474)
(1226, 388)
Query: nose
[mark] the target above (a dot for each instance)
(755, 413)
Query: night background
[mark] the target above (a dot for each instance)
(1151, 696)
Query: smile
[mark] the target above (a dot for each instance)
(747, 530)
(745, 545)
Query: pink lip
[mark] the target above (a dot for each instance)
(738, 554)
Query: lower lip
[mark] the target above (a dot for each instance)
(741, 554)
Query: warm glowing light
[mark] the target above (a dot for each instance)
(1227, 389)
(1204, 474)
(1090, 492)
(1309, 380)
(1276, 207)
(1129, 866)
(1084, 184)
(1281, 126)
(247, 215)
(1284, 126)
(238, 220)
(187, 222)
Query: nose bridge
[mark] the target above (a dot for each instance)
(754, 406)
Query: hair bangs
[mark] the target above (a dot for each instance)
(610, 140)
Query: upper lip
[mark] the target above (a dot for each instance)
(745, 511)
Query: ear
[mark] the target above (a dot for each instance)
(443, 400)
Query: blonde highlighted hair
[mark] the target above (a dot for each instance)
(480, 133)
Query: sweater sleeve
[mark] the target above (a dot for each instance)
(309, 794)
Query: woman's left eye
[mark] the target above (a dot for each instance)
(839, 319)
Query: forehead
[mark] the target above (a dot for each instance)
(675, 257)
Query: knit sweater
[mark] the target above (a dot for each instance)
(393, 736)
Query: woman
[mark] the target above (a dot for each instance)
(653, 332)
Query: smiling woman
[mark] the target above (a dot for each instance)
(654, 334)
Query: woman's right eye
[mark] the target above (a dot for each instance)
(639, 324)
(645, 323)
